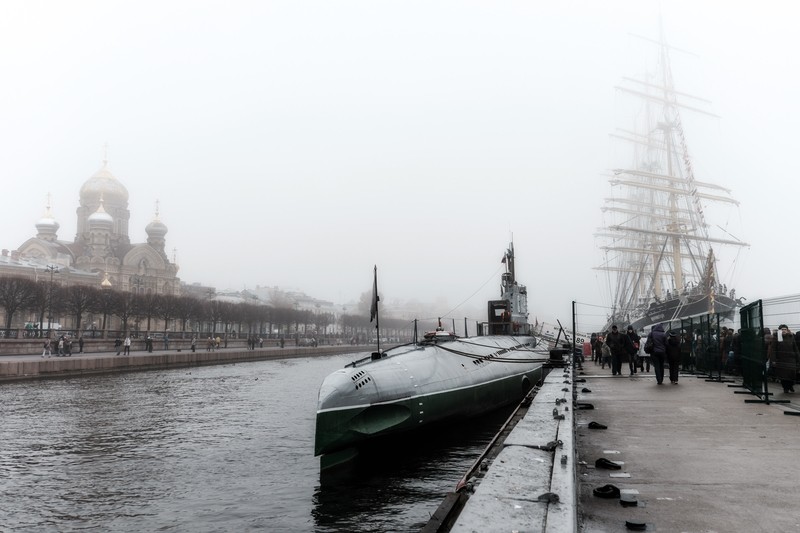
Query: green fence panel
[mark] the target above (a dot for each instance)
(754, 355)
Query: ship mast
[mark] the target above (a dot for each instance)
(660, 244)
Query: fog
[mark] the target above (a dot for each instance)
(298, 144)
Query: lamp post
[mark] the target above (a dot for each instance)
(53, 269)
(105, 287)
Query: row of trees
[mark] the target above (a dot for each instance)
(23, 297)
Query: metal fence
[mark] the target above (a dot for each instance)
(754, 353)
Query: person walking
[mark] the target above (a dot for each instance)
(726, 350)
(784, 357)
(634, 359)
(673, 356)
(118, 344)
(60, 346)
(659, 351)
(194, 343)
(737, 351)
(48, 349)
(686, 350)
(127, 345)
(621, 350)
(605, 353)
(80, 344)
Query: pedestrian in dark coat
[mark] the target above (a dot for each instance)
(659, 351)
(737, 351)
(621, 349)
(686, 351)
(726, 349)
(784, 357)
(634, 359)
(673, 356)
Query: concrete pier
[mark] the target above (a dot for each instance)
(531, 484)
(700, 456)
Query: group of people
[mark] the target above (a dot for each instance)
(616, 348)
(63, 346)
(783, 355)
(677, 349)
(660, 349)
(123, 346)
(213, 344)
(252, 341)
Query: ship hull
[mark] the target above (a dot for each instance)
(676, 309)
(417, 386)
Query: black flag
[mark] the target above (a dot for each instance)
(373, 310)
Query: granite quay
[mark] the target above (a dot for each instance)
(15, 367)
(702, 455)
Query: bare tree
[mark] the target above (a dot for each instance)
(188, 308)
(39, 303)
(322, 321)
(148, 306)
(227, 315)
(167, 308)
(125, 306)
(215, 311)
(104, 302)
(77, 300)
(16, 294)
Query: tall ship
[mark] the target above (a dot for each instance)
(659, 245)
(442, 377)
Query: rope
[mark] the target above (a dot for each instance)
(494, 356)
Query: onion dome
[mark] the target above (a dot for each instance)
(100, 218)
(47, 225)
(156, 228)
(104, 184)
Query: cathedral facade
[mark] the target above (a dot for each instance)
(101, 251)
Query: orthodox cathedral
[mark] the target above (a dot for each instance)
(102, 252)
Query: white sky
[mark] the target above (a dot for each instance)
(299, 143)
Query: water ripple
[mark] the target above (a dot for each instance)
(211, 449)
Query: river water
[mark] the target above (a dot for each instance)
(208, 449)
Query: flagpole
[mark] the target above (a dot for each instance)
(374, 309)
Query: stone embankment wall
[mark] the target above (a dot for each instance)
(31, 367)
(90, 345)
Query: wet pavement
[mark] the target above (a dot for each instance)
(694, 457)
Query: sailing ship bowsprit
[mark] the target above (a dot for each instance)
(659, 247)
